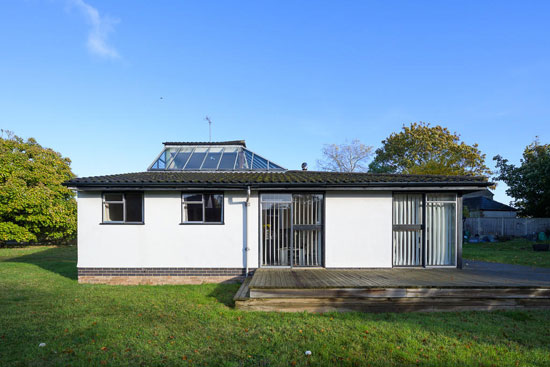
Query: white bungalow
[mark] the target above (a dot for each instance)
(213, 212)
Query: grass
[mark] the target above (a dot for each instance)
(518, 251)
(83, 325)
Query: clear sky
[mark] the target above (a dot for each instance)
(86, 77)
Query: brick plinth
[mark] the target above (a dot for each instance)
(158, 276)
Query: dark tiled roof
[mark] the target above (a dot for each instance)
(484, 203)
(272, 179)
(230, 142)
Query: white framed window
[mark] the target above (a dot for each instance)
(122, 208)
(201, 208)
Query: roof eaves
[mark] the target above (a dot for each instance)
(236, 183)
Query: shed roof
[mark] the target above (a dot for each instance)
(484, 203)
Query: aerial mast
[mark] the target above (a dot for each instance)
(209, 128)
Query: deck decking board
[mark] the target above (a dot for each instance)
(336, 278)
(477, 287)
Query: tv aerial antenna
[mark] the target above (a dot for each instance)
(209, 128)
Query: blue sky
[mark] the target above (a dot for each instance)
(86, 77)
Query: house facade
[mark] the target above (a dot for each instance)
(215, 212)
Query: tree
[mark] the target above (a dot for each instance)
(423, 149)
(528, 184)
(34, 206)
(345, 157)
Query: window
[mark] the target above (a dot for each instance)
(441, 236)
(424, 229)
(196, 160)
(211, 158)
(227, 161)
(123, 207)
(180, 158)
(202, 208)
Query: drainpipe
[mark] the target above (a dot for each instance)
(247, 249)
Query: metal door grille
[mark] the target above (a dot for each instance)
(407, 229)
(276, 233)
(307, 225)
(291, 230)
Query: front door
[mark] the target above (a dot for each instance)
(291, 230)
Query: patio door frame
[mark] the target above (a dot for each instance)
(291, 258)
(458, 230)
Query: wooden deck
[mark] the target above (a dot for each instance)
(479, 286)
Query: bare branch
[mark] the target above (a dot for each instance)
(345, 157)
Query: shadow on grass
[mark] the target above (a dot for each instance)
(60, 260)
(224, 293)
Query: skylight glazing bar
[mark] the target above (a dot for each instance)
(188, 158)
(204, 159)
(275, 165)
(211, 158)
(244, 164)
(236, 159)
(220, 161)
(151, 167)
(169, 163)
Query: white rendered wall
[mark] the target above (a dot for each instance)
(162, 241)
(358, 233)
(358, 229)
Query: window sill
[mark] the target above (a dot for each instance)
(122, 224)
(202, 224)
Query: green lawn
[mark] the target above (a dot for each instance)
(82, 325)
(517, 251)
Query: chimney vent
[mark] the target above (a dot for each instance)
(304, 166)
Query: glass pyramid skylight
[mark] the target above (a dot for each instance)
(222, 156)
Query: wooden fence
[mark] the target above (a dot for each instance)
(515, 227)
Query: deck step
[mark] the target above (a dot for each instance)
(243, 293)
(485, 292)
(481, 287)
(397, 304)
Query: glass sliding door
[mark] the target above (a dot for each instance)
(424, 229)
(407, 229)
(291, 230)
(441, 236)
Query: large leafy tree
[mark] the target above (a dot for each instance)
(528, 184)
(424, 149)
(34, 206)
(345, 157)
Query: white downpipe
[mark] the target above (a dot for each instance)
(247, 249)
